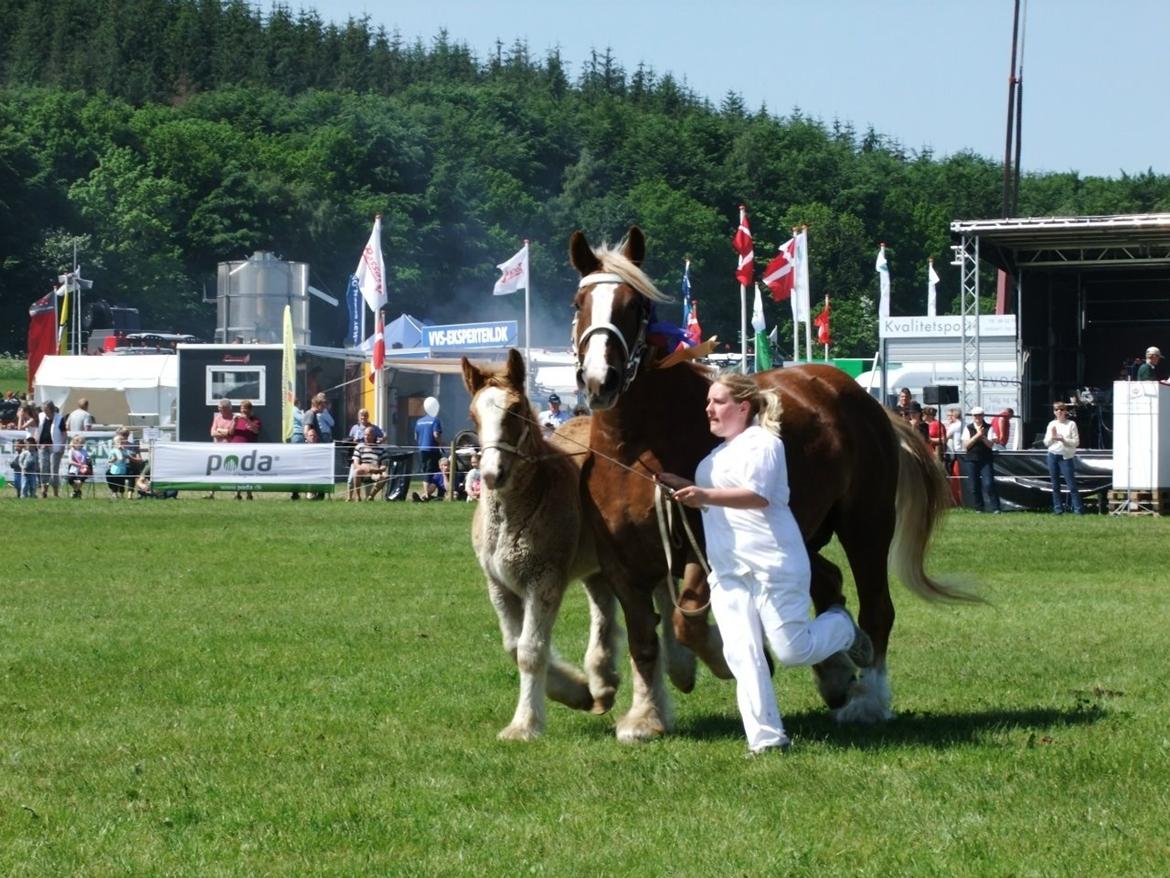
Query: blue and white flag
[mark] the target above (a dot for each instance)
(686, 292)
(353, 301)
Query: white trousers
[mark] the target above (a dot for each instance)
(747, 610)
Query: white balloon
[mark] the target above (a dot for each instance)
(431, 406)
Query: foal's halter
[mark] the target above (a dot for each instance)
(632, 356)
(508, 446)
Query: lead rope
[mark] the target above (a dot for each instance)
(665, 514)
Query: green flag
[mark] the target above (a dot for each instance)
(763, 350)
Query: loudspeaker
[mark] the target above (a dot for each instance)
(940, 394)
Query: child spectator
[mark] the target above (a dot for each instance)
(474, 480)
(79, 468)
(29, 469)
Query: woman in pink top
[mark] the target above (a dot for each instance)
(222, 425)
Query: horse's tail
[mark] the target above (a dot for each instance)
(923, 498)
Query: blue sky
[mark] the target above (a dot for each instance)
(929, 74)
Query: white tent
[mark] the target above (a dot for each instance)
(131, 389)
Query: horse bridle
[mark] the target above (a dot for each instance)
(508, 446)
(633, 357)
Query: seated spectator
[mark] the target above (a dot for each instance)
(357, 433)
(79, 467)
(145, 489)
(474, 481)
(133, 450)
(26, 418)
(368, 469)
(436, 484)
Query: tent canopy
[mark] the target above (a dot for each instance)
(121, 389)
(404, 332)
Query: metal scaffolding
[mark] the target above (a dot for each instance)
(967, 259)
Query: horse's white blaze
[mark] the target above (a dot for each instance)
(489, 412)
(594, 365)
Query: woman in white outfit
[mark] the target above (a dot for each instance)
(760, 573)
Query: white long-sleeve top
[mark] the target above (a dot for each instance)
(1067, 441)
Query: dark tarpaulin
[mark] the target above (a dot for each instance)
(1021, 478)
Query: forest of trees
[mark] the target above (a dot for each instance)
(161, 137)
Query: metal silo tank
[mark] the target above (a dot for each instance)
(251, 295)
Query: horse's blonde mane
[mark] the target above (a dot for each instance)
(614, 261)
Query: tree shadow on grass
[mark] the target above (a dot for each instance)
(938, 729)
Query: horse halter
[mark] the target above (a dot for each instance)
(508, 446)
(633, 357)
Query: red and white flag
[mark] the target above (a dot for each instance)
(822, 324)
(513, 274)
(379, 348)
(371, 270)
(780, 275)
(42, 333)
(742, 242)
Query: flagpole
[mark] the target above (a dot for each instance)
(76, 306)
(826, 343)
(807, 291)
(528, 380)
(797, 294)
(795, 329)
(379, 390)
(743, 327)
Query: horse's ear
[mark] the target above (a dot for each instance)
(635, 246)
(473, 378)
(516, 368)
(582, 255)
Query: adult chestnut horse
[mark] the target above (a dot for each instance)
(853, 470)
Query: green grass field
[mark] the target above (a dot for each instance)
(12, 375)
(276, 688)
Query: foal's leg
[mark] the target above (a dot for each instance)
(696, 632)
(601, 654)
(528, 720)
(680, 661)
(540, 667)
(650, 715)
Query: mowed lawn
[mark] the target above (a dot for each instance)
(274, 688)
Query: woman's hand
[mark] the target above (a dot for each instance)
(692, 496)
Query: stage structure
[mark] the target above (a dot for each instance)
(1089, 294)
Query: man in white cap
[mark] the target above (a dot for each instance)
(555, 416)
(1148, 371)
(979, 463)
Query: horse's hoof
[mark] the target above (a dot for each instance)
(639, 731)
(603, 702)
(519, 733)
(869, 699)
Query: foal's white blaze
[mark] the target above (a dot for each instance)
(489, 413)
(594, 365)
